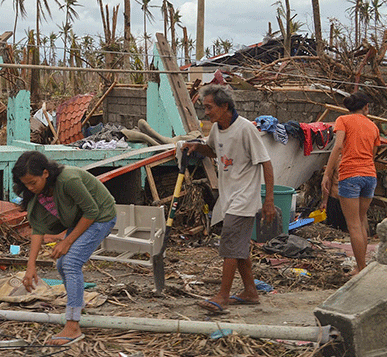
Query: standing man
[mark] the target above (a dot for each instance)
(237, 145)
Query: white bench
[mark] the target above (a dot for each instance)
(138, 230)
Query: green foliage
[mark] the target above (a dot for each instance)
(221, 46)
(295, 26)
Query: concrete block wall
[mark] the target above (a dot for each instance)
(284, 105)
(126, 106)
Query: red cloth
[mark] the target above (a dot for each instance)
(308, 128)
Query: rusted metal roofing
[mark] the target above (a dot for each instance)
(69, 118)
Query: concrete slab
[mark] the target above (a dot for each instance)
(359, 311)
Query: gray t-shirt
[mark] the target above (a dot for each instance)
(239, 150)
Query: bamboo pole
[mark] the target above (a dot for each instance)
(314, 334)
(77, 69)
(345, 111)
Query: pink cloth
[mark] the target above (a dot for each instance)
(49, 204)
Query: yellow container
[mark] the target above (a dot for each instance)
(318, 216)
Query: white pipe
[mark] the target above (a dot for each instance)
(314, 334)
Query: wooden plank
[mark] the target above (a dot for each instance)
(183, 100)
(5, 36)
(381, 153)
(152, 184)
(125, 169)
(98, 103)
(129, 154)
(346, 111)
(210, 173)
(50, 124)
(194, 230)
(178, 86)
(169, 198)
(323, 115)
(160, 162)
(24, 261)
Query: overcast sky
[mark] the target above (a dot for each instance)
(244, 22)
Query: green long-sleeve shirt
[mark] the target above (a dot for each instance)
(77, 193)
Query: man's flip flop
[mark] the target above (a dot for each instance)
(213, 307)
(236, 300)
(69, 340)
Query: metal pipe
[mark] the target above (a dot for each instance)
(314, 334)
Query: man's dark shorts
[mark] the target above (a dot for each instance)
(236, 236)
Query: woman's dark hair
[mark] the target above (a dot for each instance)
(220, 95)
(33, 163)
(356, 101)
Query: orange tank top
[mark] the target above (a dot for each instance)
(361, 136)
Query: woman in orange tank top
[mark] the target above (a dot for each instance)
(357, 139)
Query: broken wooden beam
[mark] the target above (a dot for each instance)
(125, 169)
(54, 132)
(346, 111)
(24, 261)
(98, 103)
(128, 154)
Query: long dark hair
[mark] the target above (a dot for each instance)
(356, 101)
(33, 163)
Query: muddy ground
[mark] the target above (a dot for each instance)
(193, 272)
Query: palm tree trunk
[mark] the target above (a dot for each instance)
(127, 30)
(357, 32)
(288, 36)
(127, 38)
(37, 25)
(15, 24)
(200, 31)
(34, 89)
(145, 44)
(105, 30)
(165, 16)
(173, 32)
(186, 50)
(317, 27)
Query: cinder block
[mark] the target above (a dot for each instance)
(359, 311)
(265, 108)
(247, 106)
(298, 108)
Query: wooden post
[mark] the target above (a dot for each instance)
(200, 31)
(98, 103)
(56, 138)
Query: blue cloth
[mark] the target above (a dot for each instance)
(266, 123)
(70, 265)
(280, 134)
(53, 282)
(262, 286)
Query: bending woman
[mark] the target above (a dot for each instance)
(59, 198)
(357, 138)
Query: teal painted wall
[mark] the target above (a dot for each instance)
(162, 112)
(18, 117)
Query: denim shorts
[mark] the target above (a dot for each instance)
(357, 186)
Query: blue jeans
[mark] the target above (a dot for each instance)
(358, 186)
(70, 265)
